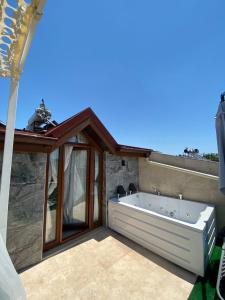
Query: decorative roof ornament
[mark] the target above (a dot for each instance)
(16, 18)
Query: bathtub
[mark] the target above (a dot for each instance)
(179, 230)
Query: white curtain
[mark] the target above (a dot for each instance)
(10, 284)
(52, 186)
(96, 188)
(53, 171)
(74, 186)
(67, 154)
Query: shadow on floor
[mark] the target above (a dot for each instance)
(158, 260)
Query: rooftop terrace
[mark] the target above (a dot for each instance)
(105, 265)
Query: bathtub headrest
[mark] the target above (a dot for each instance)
(132, 188)
(120, 190)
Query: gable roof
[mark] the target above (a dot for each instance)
(85, 121)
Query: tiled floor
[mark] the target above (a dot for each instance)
(104, 265)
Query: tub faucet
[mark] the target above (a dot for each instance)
(180, 196)
(156, 191)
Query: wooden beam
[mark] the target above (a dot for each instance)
(100, 133)
(71, 133)
(22, 147)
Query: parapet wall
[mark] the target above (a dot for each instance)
(172, 182)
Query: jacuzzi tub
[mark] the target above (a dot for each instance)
(179, 230)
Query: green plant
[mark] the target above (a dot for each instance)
(211, 156)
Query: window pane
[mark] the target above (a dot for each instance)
(79, 138)
(50, 232)
(96, 187)
(82, 139)
(74, 187)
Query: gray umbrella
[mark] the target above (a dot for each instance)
(220, 133)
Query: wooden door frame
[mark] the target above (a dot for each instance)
(101, 176)
(91, 148)
(61, 240)
(55, 242)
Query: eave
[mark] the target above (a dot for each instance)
(125, 150)
(85, 121)
(29, 142)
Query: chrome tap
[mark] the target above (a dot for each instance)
(180, 196)
(156, 191)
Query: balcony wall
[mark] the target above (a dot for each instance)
(173, 182)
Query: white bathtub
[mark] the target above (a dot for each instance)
(179, 230)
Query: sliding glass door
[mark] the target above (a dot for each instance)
(73, 192)
(51, 208)
(75, 202)
(97, 188)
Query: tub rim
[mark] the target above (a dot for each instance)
(200, 225)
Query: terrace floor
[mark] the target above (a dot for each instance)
(105, 265)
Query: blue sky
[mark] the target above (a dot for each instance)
(152, 71)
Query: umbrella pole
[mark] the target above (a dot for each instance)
(10, 126)
(7, 156)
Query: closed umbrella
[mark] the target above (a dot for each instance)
(18, 20)
(220, 133)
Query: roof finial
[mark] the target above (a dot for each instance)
(222, 97)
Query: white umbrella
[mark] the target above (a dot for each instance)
(220, 133)
(18, 20)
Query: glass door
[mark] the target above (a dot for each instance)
(75, 196)
(73, 192)
(97, 188)
(51, 205)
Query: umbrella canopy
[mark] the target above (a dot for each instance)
(16, 21)
(220, 133)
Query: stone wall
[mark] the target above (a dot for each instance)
(26, 208)
(116, 174)
(173, 182)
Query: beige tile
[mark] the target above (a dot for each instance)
(105, 265)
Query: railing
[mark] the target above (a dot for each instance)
(183, 170)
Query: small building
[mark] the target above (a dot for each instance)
(61, 178)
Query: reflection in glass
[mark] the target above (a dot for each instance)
(96, 187)
(75, 166)
(50, 232)
(79, 138)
